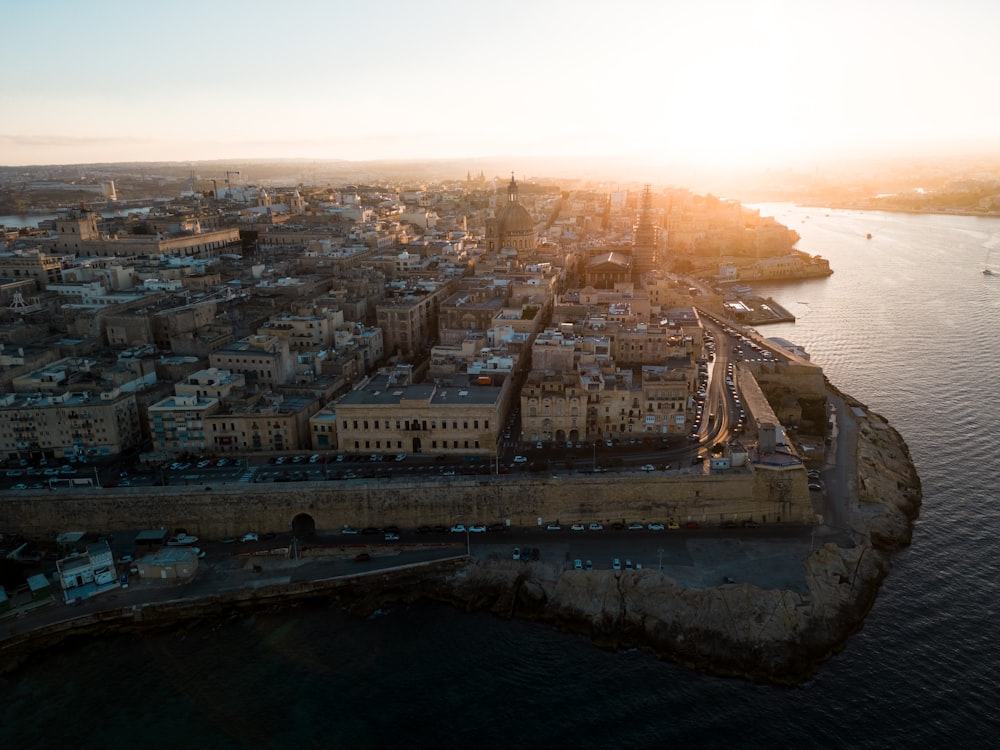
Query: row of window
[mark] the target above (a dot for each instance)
(377, 444)
(413, 424)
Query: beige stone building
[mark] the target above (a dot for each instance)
(266, 360)
(462, 418)
(272, 425)
(43, 268)
(77, 233)
(315, 331)
(409, 317)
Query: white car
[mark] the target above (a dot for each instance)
(656, 527)
(596, 527)
(250, 537)
(616, 564)
(647, 467)
(391, 537)
(458, 528)
(577, 527)
(553, 527)
(477, 529)
(400, 456)
(520, 460)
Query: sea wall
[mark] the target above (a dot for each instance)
(230, 510)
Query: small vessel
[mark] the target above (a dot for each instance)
(987, 271)
(181, 540)
(868, 236)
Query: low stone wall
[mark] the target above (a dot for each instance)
(230, 510)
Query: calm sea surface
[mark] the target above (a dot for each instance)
(907, 324)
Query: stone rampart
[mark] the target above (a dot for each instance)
(232, 509)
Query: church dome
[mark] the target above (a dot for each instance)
(514, 218)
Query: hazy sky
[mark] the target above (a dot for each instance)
(743, 83)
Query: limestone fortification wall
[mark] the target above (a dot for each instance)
(230, 510)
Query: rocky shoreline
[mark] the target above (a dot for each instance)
(775, 636)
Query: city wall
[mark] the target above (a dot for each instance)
(231, 510)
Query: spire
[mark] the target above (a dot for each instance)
(512, 190)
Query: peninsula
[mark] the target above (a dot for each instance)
(519, 408)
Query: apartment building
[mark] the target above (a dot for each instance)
(65, 424)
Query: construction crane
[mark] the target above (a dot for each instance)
(229, 184)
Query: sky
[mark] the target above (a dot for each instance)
(741, 83)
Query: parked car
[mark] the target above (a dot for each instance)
(250, 537)
(520, 460)
(693, 525)
(815, 487)
(517, 553)
(578, 564)
(577, 527)
(390, 537)
(553, 527)
(348, 530)
(636, 526)
(750, 525)
(616, 564)
(596, 527)
(656, 527)
(589, 565)
(458, 528)
(477, 529)
(647, 467)
(363, 557)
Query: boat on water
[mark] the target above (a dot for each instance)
(181, 540)
(868, 236)
(987, 271)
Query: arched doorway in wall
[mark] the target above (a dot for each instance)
(303, 526)
(416, 445)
